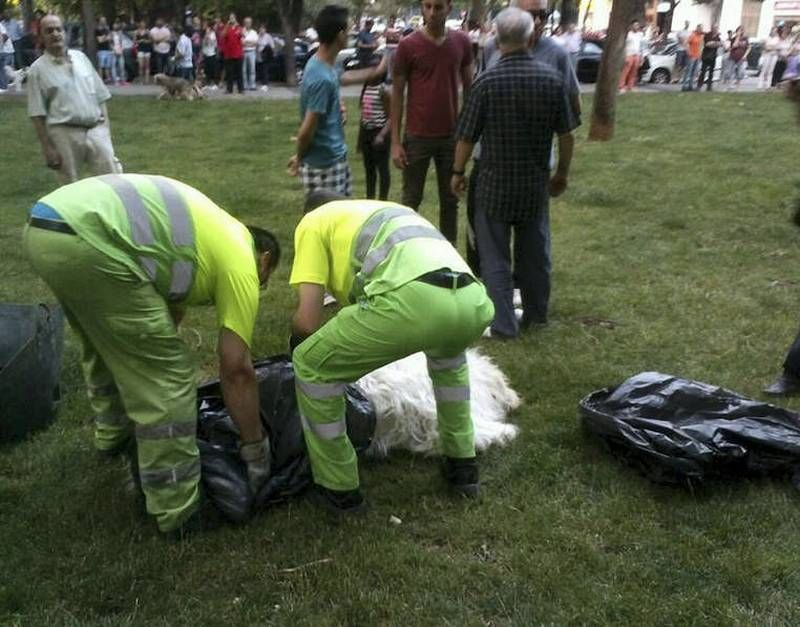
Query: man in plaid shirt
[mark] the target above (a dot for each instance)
(514, 108)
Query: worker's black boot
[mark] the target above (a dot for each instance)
(462, 475)
(785, 385)
(339, 501)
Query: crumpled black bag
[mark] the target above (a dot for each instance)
(31, 346)
(224, 475)
(678, 431)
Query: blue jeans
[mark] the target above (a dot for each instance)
(118, 68)
(249, 69)
(690, 74)
(6, 59)
(531, 267)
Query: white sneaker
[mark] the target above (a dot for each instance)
(518, 313)
(487, 332)
(328, 299)
(265, 88)
(517, 299)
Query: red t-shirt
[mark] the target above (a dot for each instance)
(232, 43)
(433, 74)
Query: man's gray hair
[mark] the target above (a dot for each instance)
(514, 28)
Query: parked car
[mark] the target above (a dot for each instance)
(588, 63)
(658, 65)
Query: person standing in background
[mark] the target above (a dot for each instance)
(711, 45)
(768, 59)
(633, 58)
(160, 36)
(210, 59)
(233, 53)
(249, 49)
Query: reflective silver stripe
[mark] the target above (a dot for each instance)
(150, 267)
(166, 431)
(100, 391)
(373, 224)
(320, 391)
(177, 210)
(138, 217)
(452, 394)
(325, 430)
(181, 280)
(116, 420)
(169, 476)
(378, 255)
(448, 363)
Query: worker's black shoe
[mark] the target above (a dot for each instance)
(339, 501)
(785, 385)
(205, 518)
(462, 475)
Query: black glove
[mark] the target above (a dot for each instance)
(295, 341)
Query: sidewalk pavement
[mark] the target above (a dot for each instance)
(283, 92)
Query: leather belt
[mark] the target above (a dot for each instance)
(447, 279)
(51, 225)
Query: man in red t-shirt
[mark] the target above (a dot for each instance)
(430, 62)
(233, 52)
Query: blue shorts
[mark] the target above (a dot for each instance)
(105, 59)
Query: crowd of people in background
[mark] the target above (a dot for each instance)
(223, 52)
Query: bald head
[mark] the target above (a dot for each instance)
(514, 29)
(51, 30)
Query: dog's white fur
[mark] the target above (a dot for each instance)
(16, 78)
(402, 393)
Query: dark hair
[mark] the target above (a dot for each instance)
(266, 242)
(330, 21)
(319, 197)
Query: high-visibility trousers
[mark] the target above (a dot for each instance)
(441, 322)
(139, 373)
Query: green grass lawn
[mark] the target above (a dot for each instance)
(677, 232)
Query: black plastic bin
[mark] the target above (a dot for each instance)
(31, 345)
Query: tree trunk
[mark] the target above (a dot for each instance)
(290, 11)
(605, 95)
(89, 40)
(586, 14)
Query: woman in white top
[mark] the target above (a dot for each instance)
(209, 52)
(633, 57)
(249, 44)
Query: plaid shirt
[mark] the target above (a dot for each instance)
(514, 108)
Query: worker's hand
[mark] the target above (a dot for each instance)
(258, 457)
(379, 140)
(293, 167)
(558, 185)
(458, 184)
(51, 157)
(399, 156)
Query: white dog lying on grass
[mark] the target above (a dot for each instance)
(402, 394)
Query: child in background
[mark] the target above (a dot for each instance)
(373, 134)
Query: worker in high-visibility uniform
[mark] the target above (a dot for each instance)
(405, 289)
(125, 255)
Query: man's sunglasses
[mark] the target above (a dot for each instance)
(540, 14)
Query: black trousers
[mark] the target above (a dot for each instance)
(419, 151)
(376, 162)
(233, 72)
(473, 258)
(777, 74)
(210, 69)
(791, 364)
(161, 59)
(707, 66)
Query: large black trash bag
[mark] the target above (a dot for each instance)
(31, 346)
(678, 431)
(225, 475)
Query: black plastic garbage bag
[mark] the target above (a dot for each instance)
(225, 475)
(680, 431)
(31, 346)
